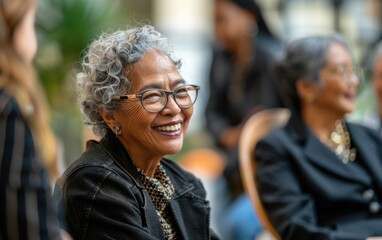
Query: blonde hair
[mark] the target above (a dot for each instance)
(18, 78)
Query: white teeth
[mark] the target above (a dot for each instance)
(171, 128)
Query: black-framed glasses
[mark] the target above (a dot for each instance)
(155, 100)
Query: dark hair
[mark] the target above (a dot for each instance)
(303, 59)
(253, 7)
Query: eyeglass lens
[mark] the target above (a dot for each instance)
(155, 100)
(350, 72)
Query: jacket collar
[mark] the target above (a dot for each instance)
(120, 156)
(321, 156)
(116, 151)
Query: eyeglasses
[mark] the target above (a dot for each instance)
(348, 73)
(155, 100)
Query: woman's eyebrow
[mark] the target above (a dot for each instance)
(178, 81)
(150, 86)
(158, 86)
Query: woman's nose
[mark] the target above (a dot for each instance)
(171, 105)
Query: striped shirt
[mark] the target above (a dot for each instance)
(26, 207)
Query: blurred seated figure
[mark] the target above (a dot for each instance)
(241, 75)
(319, 177)
(241, 82)
(28, 149)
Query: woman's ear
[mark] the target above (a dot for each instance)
(306, 90)
(108, 117)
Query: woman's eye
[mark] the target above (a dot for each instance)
(151, 96)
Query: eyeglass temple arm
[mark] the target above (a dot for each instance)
(123, 97)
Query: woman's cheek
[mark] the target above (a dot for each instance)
(136, 117)
(188, 114)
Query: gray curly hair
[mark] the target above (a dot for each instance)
(105, 66)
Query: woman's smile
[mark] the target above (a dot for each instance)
(169, 128)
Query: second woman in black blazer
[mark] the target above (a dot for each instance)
(320, 177)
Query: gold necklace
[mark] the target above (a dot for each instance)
(340, 143)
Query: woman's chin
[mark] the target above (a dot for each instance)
(173, 149)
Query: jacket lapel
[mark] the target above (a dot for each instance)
(120, 156)
(182, 186)
(370, 154)
(318, 153)
(324, 158)
(179, 206)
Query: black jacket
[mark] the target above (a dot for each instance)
(310, 194)
(103, 198)
(256, 88)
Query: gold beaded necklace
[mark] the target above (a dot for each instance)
(340, 143)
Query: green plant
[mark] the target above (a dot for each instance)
(65, 28)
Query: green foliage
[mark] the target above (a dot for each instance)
(65, 28)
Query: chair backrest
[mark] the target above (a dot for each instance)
(258, 125)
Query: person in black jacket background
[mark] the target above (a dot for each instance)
(319, 176)
(241, 82)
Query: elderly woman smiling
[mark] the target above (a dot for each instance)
(122, 187)
(319, 177)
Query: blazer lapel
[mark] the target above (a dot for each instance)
(370, 154)
(317, 153)
(324, 158)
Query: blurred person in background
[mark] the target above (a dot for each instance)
(373, 118)
(28, 151)
(241, 83)
(319, 177)
(122, 187)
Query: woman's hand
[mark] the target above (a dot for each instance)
(374, 238)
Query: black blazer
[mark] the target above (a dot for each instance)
(309, 193)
